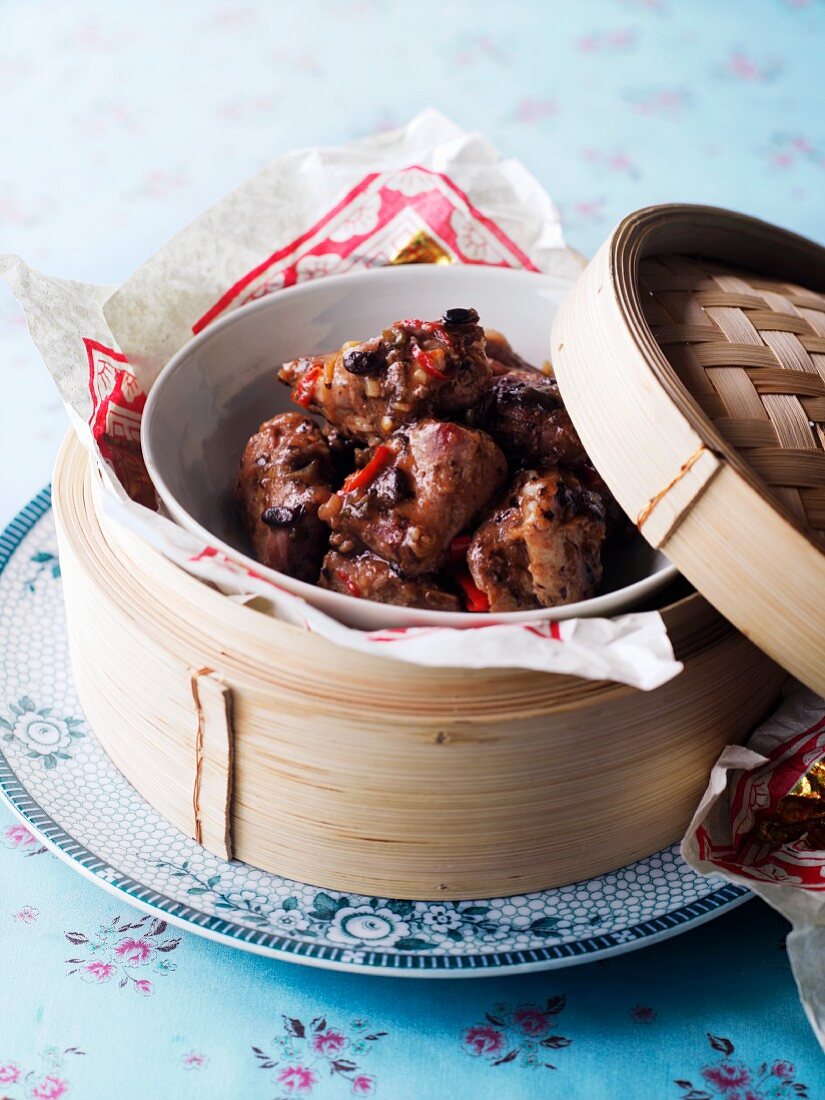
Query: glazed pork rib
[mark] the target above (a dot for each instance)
(414, 369)
(525, 414)
(419, 490)
(540, 546)
(283, 481)
(368, 577)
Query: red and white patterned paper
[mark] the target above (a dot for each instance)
(368, 226)
(723, 838)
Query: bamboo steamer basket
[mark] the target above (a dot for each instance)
(691, 356)
(355, 773)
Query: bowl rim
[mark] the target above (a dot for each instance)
(629, 595)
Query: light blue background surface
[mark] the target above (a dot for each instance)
(118, 124)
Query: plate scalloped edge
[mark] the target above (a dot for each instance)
(394, 964)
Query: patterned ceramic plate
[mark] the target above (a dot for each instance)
(60, 782)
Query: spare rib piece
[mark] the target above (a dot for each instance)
(367, 577)
(541, 544)
(524, 413)
(412, 370)
(420, 489)
(284, 479)
(618, 526)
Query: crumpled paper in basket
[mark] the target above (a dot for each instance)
(311, 213)
(728, 831)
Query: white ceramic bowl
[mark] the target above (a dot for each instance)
(213, 394)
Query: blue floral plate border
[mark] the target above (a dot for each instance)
(348, 919)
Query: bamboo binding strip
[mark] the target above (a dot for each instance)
(355, 773)
(691, 355)
(214, 757)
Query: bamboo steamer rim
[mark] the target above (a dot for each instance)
(669, 465)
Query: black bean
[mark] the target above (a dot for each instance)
(282, 516)
(460, 316)
(363, 360)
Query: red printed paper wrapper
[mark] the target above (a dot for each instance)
(308, 214)
(740, 831)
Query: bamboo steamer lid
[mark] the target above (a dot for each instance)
(691, 356)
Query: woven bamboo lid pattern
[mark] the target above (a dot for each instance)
(691, 354)
(751, 351)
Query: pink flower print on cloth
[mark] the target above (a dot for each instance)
(111, 953)
(98, 971)
(531, 1019)
(362, 1085)
(483, 1039)
(45, 1082)
(329, 1042)
(10, 1073)
(134, 952)
(18, 836)
(304, 1054)
(524, 1034)
(27, 915)
(730, 1079)
(726, 1076)
(49, 1087)
(22, 840)
(296, 1080)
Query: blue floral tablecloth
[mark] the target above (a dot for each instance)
(100, 1002)
(119, 123)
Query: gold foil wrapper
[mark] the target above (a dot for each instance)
(800, 815)
(422, 249)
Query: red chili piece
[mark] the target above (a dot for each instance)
(303, 392)
(474, 598)
(424, 360)
(350, 584)
(361, 478)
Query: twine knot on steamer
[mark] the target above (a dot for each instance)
(684, 469)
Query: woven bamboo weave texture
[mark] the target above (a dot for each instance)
(751, 351)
